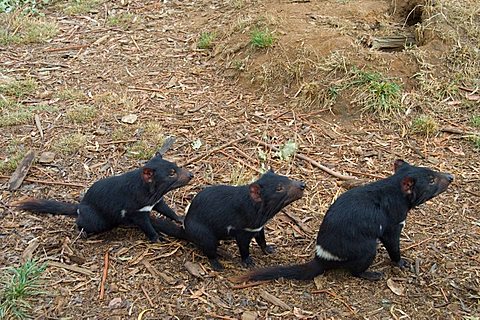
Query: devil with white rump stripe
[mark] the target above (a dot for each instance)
(347, 238)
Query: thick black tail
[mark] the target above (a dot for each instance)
(169, 228)
(49, 206)
(306, 271)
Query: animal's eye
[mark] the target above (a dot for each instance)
(432, 180)
(172, 173)
(279, 188)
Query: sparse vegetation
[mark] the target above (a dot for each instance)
(152, 138)
(18, 88)
(424, 125)
(80, 6)
(81, 113)
(206, 40)
(239, 176)
(16, 113)
(17, 29)
(15, 153)
(122, 20)
(27, 6)
(476, 121)
(70, 94)
(70, 144)
(20, 284)
(262, 38)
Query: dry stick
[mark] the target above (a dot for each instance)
(472, 192)
(248, 285)
(49, 182)
(303, 157)
(75, 47)
(146, 89)
(104, 276)
(458, 131)
(240, 161)
(117, 141)
(417, 244)
(148, 297)
(223, 146)
(336, 297)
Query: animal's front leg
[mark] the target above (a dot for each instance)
(260, 239)
(391, 241)
(164, 209)
(243, 242)
(142, 220)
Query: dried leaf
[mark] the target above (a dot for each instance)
(115, 303)
(274, 300)
(196, 144)
(287, 150)
(29, 250)
(129, 118)
(140, 315)
(396, 288)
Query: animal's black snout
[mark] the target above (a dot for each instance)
(449, 177)
(302, 185)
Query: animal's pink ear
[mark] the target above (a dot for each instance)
(407, 185)
(147, 175)
(255, 192)
(398, 164)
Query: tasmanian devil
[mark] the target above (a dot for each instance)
(238, 212)
(124, 199)
(348, 235)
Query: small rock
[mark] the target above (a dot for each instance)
(249, 315)
(129, 118)
(47, 157)
(115, 303)
(450, 265)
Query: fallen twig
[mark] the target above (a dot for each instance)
(417, 244)
(104, 276)
(21, 172)
(223, 146)
(148, 297)
(240, 161)
(303, 157)
(248, 285)
(167, 144)
(333, 294)
(61, 183)
(458, 131)
(74, 47)
(73, 268)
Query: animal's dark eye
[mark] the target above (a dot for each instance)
(172, 173)
(279, 188)
(431, 180)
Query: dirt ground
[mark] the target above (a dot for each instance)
(209, 100)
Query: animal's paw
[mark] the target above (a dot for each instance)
(371, 275)
(216, 265)
(402, 264)
(248, 262)
(269, 249)
(155, 238)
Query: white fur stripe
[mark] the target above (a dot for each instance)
(146, 208)
(402, 223)
(324, 254)
(253, 230)
(123, 212)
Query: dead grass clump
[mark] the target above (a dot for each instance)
(70, 143)
(80, 113)
(151, 138)
(424, 125)
(22, 29)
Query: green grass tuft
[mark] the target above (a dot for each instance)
(81, 113)
(122, 20)
(74, 7)
(424, 125)
(262, 38)
(475, 121)
(70, 144)
(206, 40)
(18, 88)
(19, 286)
(152, 138)
(15, 29)
(15, 152)
(12, 114)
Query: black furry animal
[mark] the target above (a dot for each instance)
(225, 212)
(348, 235)
(124, 199)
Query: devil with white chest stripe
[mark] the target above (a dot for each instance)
(124, 199)
(347, 237)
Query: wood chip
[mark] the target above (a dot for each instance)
(69, 267)
(274, 300)
(21, 172)
(249, 315)
(29, 250)
(396, 287)
(194, 269)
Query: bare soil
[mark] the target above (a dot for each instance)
(151, 67)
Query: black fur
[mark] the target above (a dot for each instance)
(226, 212)
(124, 199)
(353, 223)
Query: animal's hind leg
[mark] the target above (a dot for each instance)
(358, 267)
(206, 241)
(90, 221)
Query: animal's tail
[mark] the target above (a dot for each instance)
(49, 206)
(306, 271)
(170, 228)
